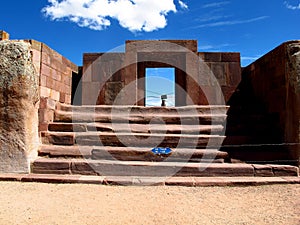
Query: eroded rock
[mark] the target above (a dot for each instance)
(19, 97)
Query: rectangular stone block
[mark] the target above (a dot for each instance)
(263, 170)
(212, 57)
(218, 70)
(285, 170)
(62, 97)
(230, 57)
(45, 70)
(82, 168)
(45, 58)
(58, 138)
(68, 99)
(43, 127)
(55, 95)
(46, 115)
(56, 75)
(49, 83)
(51, 166)
(234, 74)
(43, 80)
(45, 92)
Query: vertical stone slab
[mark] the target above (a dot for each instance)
(19, 100)
(292, 130)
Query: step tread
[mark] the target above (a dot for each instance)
(105, 133)
(178, 181)
(140, 117)
(165, 168)
(131, 139)
(135, 128)
(125, 153)
(67, 107)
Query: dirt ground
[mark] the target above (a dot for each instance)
(38, 203)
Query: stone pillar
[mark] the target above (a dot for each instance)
(3, 35)
(19, 100)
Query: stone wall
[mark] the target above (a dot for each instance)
(226, 68)
(19, 101)
(275, 80)
(33, 79)
(55, 79)
(103, 78)
(201, 78)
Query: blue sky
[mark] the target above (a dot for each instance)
(73, 27)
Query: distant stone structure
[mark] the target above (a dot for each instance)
(4, 35)
(198, 75)
(256, 108)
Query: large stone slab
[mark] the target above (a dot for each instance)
(19, 98)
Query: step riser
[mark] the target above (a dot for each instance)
(135, 128)
(158, 170)
(133, 140)
(115, 168)
(142, 119)
(196, 156)
(132, 154)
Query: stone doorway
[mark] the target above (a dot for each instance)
(152, 61)
(160, 83)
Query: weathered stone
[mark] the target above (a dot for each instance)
(111, 92)
(51, 166)
(285, 170)
(57, 138)
(82, 167)
(19, 101)
(263, 171)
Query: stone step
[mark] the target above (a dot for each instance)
(125, 109)
(151, 181)
(131, 139)
(142, 118)
(137, 128)
(132, 154)
(157, 169)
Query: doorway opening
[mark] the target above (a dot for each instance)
(160, 86)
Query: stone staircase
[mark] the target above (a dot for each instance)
(115, 142)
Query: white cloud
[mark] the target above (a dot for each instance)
(215, 4)
(213, 47)
(231, 22)
(134, 15)
(246, 60)
(183, 5)
(292, 7)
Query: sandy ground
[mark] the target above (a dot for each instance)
(38, 203)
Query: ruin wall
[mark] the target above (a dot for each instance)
(275, 80)
(55, 80)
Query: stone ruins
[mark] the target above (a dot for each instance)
(58, 118)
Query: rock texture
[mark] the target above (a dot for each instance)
(19, 98)
(293, 128)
